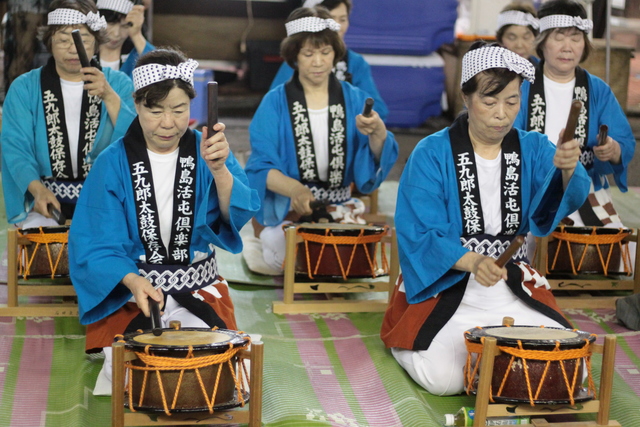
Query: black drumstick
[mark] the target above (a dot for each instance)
(368, 106)
(82, 53)
(212, 107)
(317, 204)
(56, 214)
(602, 135)
(572, 121)
(510, 251)
(154, 309)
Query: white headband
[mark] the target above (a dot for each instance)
(310, 24)
(146, 75)
(485, 58)
(516, 17)
(562, 21)
(121, 6)
(74, 17)
(311, 3)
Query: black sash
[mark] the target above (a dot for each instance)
(57, 136)
(538, 111)
(467, 178)
(305, 152)
(145, 200)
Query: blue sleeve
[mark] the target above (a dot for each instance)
(130, 63)
(521, 119)
(285, 72)
(363, 79)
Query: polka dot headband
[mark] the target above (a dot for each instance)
(562, 21)
(516, 17)
(149, 74)
(485, 58)
(310, 24)
(75, 17)
(120, 6)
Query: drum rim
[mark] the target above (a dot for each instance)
(589, 229)
(475, 334)
(315, 226)
(237, 338)
(246, 395)
(46, 230)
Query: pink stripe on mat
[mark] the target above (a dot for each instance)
(318, 366)
(363, 376)
(7, 331)
(32, 388)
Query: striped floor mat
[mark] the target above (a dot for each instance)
(320, 370)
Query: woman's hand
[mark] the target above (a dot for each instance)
(610, 151)
(487, 272)
(96, 83)
(301, 196)
(215, 149)
(136, 19)
(375, 129)
(42, 198)
(142, 289)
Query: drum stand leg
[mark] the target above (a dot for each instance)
(484, 409)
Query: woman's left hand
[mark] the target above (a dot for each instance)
(215, 149)
(610, 151)
(567, 155)
(372, 125)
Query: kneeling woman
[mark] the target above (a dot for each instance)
(465, 192)
(151, 213)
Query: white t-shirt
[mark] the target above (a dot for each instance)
(558, 97)
(318, 121)
(72, 98)
(163, 167)
(114, 65)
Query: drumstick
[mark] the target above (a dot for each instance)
(154, 309)
(510, 251)
(82, 53)
(368, 106)
(129, 24)
(317, 204)
(572, 121)
(56, 214)
(602, 135)
(212, 107)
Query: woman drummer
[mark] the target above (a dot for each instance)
(465, 192)
(308, 139)
(156, 204)
(517, 29)
(562, 45)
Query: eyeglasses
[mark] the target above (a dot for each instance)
(65, 42)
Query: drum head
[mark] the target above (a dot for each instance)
(531, 336)
(589, 230)
(338, 229)
(181, 339)
(46, 230)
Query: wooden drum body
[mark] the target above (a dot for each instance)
(538, 365)
(45, 254)
(588, 250)
(340, 251)
(178, 370)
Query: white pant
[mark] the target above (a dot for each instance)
(274, 246)
(35, 220)
(440, 368)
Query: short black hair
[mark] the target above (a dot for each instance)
(332, 4)
(153, 94)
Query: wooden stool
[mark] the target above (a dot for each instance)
(583, 284)
(31, 286)
(601, 406)
(335, 304)
(251, 414)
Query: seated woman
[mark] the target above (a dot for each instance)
(308, 140)
(562, 45)
(465, 192)
(151, 213)
(352, 67)
(124, 22)
(59, 117)
(518, 29)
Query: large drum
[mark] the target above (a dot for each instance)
(45, 254)
(186, 370)
(538, 365)
(340, 251)
(588, 250)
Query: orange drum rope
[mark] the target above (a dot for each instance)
(593, 239)
(354, 241)
(39, 239)
(557, 355)
(192, 363)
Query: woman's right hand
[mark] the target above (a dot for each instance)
(42, 198)
(142, 289)
(301, 196)
(567, 154)
(487, 272)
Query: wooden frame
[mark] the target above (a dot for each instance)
(251, 414)
(601, 406)
(335, 304)
(34, 287)
(585, 282)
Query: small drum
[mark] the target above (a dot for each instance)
(588, 250)
(45, 254)
(538, 365)
(340, 250)
(186, 370)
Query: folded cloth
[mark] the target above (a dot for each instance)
(628, 311)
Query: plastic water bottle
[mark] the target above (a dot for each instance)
(464, 417)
